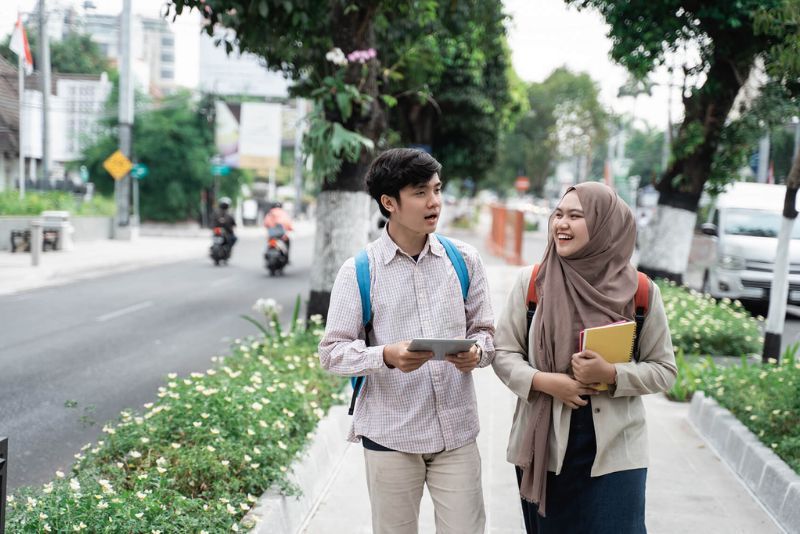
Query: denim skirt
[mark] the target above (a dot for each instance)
(578, 502)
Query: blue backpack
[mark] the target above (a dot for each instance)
(363, 278)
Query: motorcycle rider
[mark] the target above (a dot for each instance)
(223, 219)
(278, 216)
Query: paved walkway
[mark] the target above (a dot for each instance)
(162, 244)
(689, 489)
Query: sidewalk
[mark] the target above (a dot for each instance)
(689, 489)
(161, 244)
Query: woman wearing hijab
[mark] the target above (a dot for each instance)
(581, 454)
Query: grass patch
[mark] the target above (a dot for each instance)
(35, 202)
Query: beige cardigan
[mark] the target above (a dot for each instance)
(619, 416)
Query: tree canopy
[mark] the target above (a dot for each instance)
(77, 53)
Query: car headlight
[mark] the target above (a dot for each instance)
(729, 261)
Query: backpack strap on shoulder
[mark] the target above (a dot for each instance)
(533, 298)
(363, 279)
(457, 259)
(641, 304)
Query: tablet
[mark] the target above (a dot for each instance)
(440, 347)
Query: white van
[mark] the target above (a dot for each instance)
(744, 222)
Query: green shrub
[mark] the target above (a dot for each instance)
(35, 202)
(764, 397)
(701, 325)
(195, 459)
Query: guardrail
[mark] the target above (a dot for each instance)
(506, 237)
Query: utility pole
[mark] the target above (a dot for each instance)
(44, 60)
(122, 187)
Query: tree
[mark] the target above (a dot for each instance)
(175, 139)
(77, 53)
(564, 119)
(723, 34)
(455, 83)
(644, 148)
(348, 117)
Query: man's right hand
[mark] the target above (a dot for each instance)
(562, 387)
(397, 355)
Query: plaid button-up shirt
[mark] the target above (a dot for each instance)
(432, 408)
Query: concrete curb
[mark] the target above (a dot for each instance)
(768, 477)
(311, 472)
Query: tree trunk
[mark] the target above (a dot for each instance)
(779, 291)
(682, 184)
(343, 206)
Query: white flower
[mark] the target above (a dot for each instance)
(211, 449)
(60, 474)
(47, 528)
(42, 516)
(231, 510)
(161, 470)
(256, 406)
(225, 463)
(204, 415)
(214, 431)
(139, 515)
(75, 485)
(135, 454)
(172, 376)
(141, 495)
(336, 56)
(267, 306)
(175, 445)
(80, 526)
(282, 445)
(197, 424)
(102, 505)
(48, 488)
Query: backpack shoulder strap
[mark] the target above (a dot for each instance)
(457, 259)
(363, 279)
(533, 298)
(641, 305)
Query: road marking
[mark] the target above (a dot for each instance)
(123, 311)
(221, 281)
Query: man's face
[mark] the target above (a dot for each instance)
(418, 208)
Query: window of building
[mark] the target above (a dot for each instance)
(167, 58)
(167, 74)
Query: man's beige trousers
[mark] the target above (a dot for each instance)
(395, 481)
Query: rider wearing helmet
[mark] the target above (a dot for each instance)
(223, 219)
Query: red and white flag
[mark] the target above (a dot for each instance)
(19, 45)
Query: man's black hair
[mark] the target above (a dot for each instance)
(396, 168)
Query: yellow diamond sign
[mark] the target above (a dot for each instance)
(117, 165)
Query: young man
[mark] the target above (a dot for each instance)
(417, 419)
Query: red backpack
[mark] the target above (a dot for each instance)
(641, 303)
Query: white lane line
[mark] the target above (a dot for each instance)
(123, 311)
(222, 281)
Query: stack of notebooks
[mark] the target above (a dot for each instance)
(614, 342)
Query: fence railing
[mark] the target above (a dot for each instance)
(3, 482)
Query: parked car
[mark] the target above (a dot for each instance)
(744, 223)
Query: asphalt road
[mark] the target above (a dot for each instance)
(108, 343)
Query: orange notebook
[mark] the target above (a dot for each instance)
(614, 342)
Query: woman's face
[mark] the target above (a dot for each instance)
(569, 226)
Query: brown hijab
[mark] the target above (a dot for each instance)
(593, 287)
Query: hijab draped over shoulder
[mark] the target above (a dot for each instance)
(593, 287)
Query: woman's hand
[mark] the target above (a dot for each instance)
(589, 367)
(562, 387)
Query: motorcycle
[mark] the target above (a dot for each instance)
(220, 251)
(277, 254)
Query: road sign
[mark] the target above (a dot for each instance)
(117, 165)
(140, 170)
(84, 174)
(522, 183)
(220, 170)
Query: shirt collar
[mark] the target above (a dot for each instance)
(389, 249)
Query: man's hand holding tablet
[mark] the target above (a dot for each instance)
(463, 353)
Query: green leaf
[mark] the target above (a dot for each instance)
(263, 8)
(389, 100)
(345, 104)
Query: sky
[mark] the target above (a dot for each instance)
(543, 35)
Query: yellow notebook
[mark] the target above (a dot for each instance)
(614, 342)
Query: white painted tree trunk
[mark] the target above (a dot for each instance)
(342, 230)
(666, 241)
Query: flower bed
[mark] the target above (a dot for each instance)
(197, 458)
(701, 325)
